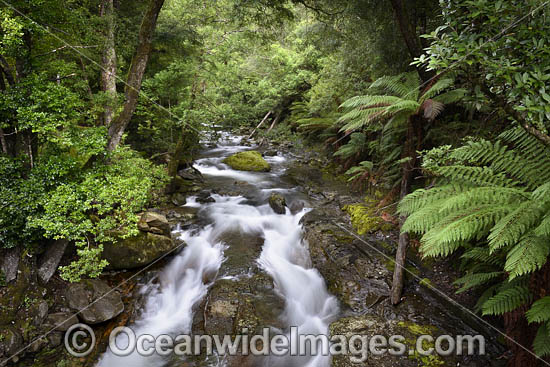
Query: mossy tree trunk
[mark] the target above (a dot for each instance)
(108, 62)
(135, 75)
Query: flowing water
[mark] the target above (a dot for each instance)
(185, 281)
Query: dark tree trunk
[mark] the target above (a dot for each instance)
(135, 76)
(412, 144)
(412, 40)
(108, 63)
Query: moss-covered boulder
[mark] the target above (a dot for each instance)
(247, 161)
(137, 251)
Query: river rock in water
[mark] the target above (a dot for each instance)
(154, 223)
(277, 202)
(248, 161)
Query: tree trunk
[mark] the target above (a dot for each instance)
(414, 45)
(413, 134)
(108, 62)
(135, 76)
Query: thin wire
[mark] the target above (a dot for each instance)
(341, 226)
(504, 30)
(75, 49)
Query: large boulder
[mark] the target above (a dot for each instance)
(50, 260)
(10, 263)
(137, 251)
(154, 223)
(248, 161)
(94, 300)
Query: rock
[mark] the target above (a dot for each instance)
(108, 303)
(12, 341)
(190, 174)
(270, 153)
(296, 206)
(61, 321)
(137, 251)
(178, 199)
(205, 197)
(10, 263)
(277, 202)
(154, 223)
(38, 312)
(55, 339)
(50, 260)
(248, 161)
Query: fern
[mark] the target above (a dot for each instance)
(539, 311)
(541, 344)
(493, 201)
(507, 300)
(474, 280)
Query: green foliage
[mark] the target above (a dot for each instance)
(385, 117)
(492, 201)
(499, 45)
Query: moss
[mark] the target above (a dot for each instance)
(247, 161)
(432, 360)
(425, 282)
(365, 219)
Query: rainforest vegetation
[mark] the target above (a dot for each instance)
(436, 110)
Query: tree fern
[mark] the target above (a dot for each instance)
(507, 300)
(494, 203)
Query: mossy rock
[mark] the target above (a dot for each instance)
(248, 161)
(137, 251)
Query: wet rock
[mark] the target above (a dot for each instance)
(137, 251)
(190, 174)
(247, 161)
(277, 202)
(12, 341)
(155, 223)
(205, 197)
(296, 206)
(270, 153)
(10, 263)
(50, 260)
(107, 305)
(178, 199)
(38, 312)
(61, 321)
(55, 339)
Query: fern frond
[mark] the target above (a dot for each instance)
(539, 311)
(529, 255)
(355, 145)
(507, 300)
(402, 85)
(436, 89)
(422, 197)
(482, 254)
(511, 228)
(476, 279)
(369, 101)
(462, 226)
(451, 96)
(484, 195)
(541, 344)
(483, 176)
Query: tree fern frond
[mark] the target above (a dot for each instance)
(541, 344)
(402, 85)
(436, 88)
(462, 226)
(506, 300)
(451, 96)
(539, 311)
(543, 228)
(482, 254)
(484, 195)
(484, 176)
(369, 101)
(422, 197)
(511, 228)
(529, 255)
(476, 279)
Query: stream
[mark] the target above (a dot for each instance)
(173, 299)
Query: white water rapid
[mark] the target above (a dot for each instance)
(186, 279)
